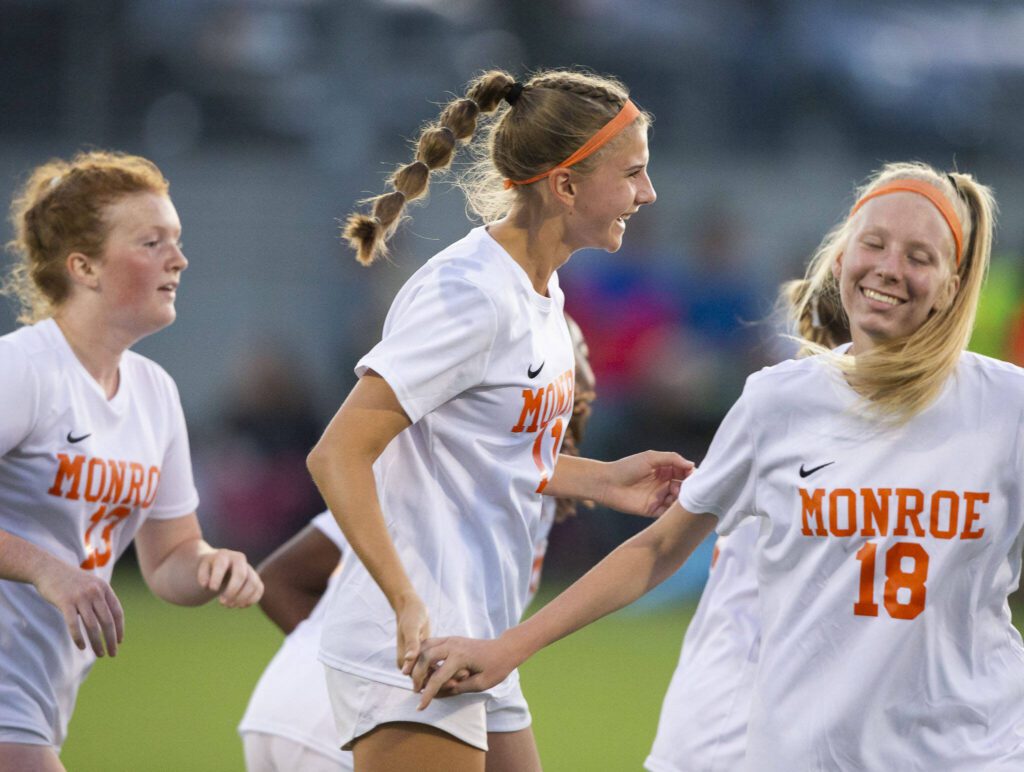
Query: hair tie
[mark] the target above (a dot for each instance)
(513, 93)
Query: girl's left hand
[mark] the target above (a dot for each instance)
(228, 574)
(646, 483)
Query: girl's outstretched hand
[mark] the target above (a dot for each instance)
(449, 666)
(646, 483)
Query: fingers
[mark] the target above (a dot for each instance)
(98, 612)
(410, 646)
(431, 655)
(244, 592)
(413, 630)
(439, 678)
(212, 569)
(117, 612)
(673, 464)
(228, 573)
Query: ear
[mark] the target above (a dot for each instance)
(82, 269)
(837, 267)
(561, 186)
(949, 293)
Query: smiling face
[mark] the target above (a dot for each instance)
(613, 191)
(896, 268)
(138, 274)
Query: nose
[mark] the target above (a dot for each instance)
(889, 264)
(645, 193)
(178, 262)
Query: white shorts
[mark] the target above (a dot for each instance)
(273, 753)
(361, 705)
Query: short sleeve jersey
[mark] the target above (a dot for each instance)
(703, 723)
(79, 474)
(291, 698)
(884, 561)
(483, 366)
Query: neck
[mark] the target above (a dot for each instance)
(98, 347)
(536, 241)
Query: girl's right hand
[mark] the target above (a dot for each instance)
(85, 600)
(413, 628)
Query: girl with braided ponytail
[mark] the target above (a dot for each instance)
(887, 478)
(436, 464)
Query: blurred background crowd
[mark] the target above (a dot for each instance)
(271, 118)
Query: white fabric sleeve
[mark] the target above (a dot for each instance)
(19, 397)
(437, 341)
(176, 496)
(725, 483)
(328, 526)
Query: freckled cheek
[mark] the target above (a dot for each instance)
(135, 286)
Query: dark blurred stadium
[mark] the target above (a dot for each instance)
(272, 118)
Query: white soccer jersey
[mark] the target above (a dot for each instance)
(703, 724)
(483, 365)
(884, 563)
(78, 475)
(291, 699)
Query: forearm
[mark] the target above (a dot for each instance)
(348, 486)
(631, 570)
(578, 478)
(23, 561)
(285, 606)
(175, 579)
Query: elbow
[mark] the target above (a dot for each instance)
(316, 462)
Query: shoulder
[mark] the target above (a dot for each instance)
(31, 351)
(796, 387)
(150, 376)
(476, 261)
(782, 379)
(457, 281)
(987, 375)
(980, 366)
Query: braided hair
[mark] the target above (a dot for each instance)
(535, 125)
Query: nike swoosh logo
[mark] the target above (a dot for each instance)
(77, 439)
(809, 472)
(534, 373)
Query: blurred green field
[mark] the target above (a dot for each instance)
(171, 699)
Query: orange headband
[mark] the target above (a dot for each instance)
(623, 118)
(929, 191)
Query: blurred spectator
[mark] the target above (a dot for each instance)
(255, 486)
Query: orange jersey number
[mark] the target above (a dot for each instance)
(556, 428)
(97, 557)
(896, 578)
